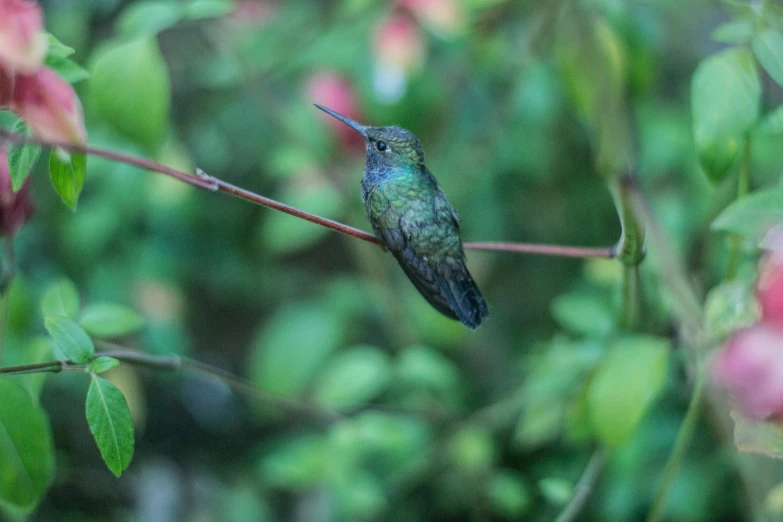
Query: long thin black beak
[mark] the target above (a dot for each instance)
(358, 127)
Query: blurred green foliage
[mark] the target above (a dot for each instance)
(528, 112)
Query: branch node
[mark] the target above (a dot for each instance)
(212, 182)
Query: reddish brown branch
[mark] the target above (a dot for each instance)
(213, 184)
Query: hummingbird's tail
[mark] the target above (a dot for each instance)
(463, 296)
(447, 286)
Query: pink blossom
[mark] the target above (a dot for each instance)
(22, 41)
(399, 43)
(769, 290)
(15, 208)
(6, 86)
(336, 92)
(750, 368)
(443, 16)
(49, 106)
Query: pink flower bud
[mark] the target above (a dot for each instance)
(750, 368)
(445, 17)
(6, 86)
(337, 93)
(15, 208)
(399, 43)
(769, 290)
(22, 41)
(49, 106)
(399, 50)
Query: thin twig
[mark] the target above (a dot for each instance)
(584, 487)
(679, 451)
(213, 184)
(179, 363)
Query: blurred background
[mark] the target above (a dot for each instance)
(439, 423)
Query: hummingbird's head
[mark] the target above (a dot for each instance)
(386, 145)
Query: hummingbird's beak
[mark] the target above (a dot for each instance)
(358, 127)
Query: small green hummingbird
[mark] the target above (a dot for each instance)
(410, 215)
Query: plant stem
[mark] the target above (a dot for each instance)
(213, 184)
(681, 443)
(584, 487)
(743, 186)
(5, 290)
(630, 249)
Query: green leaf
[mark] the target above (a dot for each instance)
(296, 462)
(353, 377)
(472, 449)
(106, 320)
(757, 436)
(583, 314)
(624, 385)
(102, 364)
(61, 298)
(509, 495)
(26, 448)
(131, 90)
(149, 17)
(110, 422)
(69, 70)
(293, 346)
(725, 98)
(772, 122)
(21, 156)
(67, 173)
(555, 490)
(72, 341)
(768, 47)
(753, 215)
(203, 9)
(738, 31)
(57, 48)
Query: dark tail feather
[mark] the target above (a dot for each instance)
(464, 297)
(429, 290)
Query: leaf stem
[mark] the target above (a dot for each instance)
(743, 186)
(584, 487)
(213, 184)
(679, 451)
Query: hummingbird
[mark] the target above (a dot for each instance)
(412, 218)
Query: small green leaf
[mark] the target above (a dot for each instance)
(293, 346)
(149, 17)
(131, 90)
(583, 314)
(26, 448)
(296, 462)
(472, 449)
(69, 70)
(353, 377)
(57, 48)
(202, 9)
(753, 215)
(102, 364)
(67, 173)
(110, 422)
(72, 341)
(106, 320)
(509, 495)
(772, 122)
(557, 491)
(21, 156)
(738, 31)
(725, 99)
(624, 385)
(768, 47)
(61, 298)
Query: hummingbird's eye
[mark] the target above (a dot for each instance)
(381, 145)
